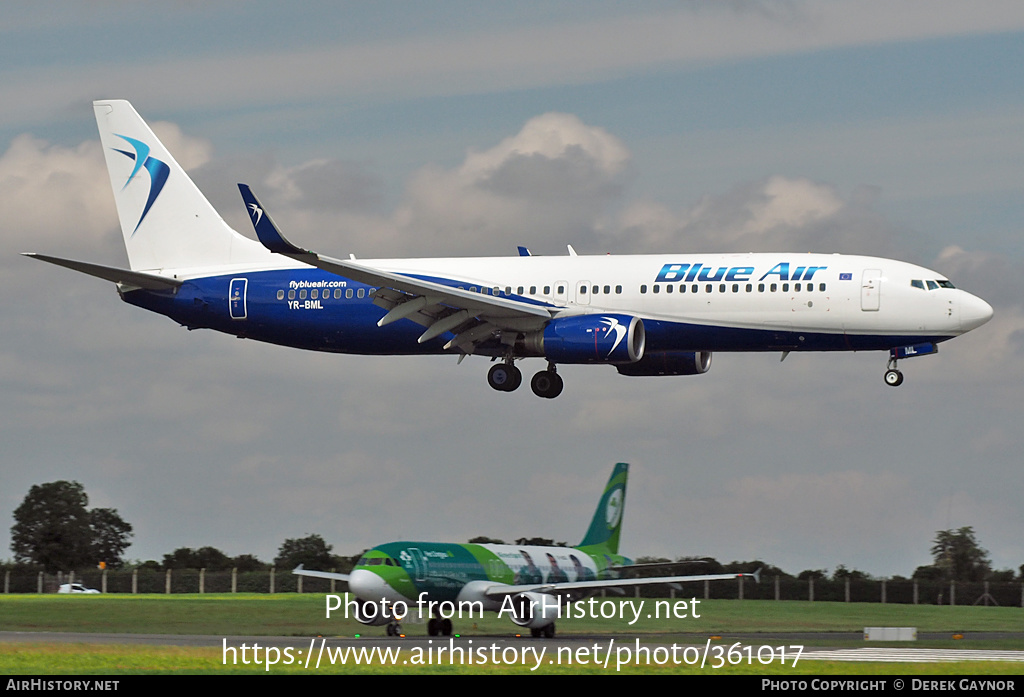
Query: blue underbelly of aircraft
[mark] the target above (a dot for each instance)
(680, 336)
(279, 307)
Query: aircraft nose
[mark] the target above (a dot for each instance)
(368, 585)
(974, 312)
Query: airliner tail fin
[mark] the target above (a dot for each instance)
(166, 221)
(607, 523)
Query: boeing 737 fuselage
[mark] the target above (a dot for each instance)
(648, 315)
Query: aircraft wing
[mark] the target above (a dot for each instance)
(299, 571)
(499, 590)
(472, 317)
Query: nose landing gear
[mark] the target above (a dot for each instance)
(893, 377)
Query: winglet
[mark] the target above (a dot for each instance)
(757, 574)
(524, 251)
(266, 230)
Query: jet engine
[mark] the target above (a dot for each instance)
(669, 363)
(601, 338)
(372, 613)
(535, 610)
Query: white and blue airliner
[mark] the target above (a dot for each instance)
(646, 315)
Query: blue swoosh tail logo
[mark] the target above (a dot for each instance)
(158, 172)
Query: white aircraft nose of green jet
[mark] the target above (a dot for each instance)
(367, 585)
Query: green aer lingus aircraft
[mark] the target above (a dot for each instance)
(534, 585)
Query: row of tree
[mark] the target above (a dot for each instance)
(55, 530)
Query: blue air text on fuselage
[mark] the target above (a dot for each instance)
(686, 273)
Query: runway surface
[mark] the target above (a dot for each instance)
(878, 654)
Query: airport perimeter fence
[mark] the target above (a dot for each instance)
(770, 588)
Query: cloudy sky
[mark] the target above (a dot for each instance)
(456, 129)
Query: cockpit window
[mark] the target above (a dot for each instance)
(931, 285)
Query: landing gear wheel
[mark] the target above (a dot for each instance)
(432, 626)
(446, 627)
(549, 631)
(517, 378)
(546, 384)
(893, 378)
(394, 629)
(504, 377)
(534, 632)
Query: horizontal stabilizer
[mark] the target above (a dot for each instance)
(122, 277)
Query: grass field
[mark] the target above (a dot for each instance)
(304, 616)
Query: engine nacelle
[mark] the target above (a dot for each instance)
(374, 614)
(669, 363)
(534, 610)
(603, 338)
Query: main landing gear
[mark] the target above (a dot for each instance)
(547, 632)
(394, 629)
(506, 377)
(893, 377)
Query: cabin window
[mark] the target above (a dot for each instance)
(932, 285)
(735, 287)
(314, 294)
(280, 295)
(682, 287)
(360, 292)
(302, 294)
(821, 287)
(657, 288)
(561, 290)
(508, 291)
(750, 287)
(694, 288)
(643, 290)
(618, 290)
(291, 295)
(917, 284)
(721, 287)
(668, 288)
(760, 287)
(607, 290)
(547, 290)
(773, 287)
(785, 287)
(348, 293)
(337, 293)
(519, 290)
(595, 290)
(533, 290)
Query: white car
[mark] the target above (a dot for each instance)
(75, 588)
